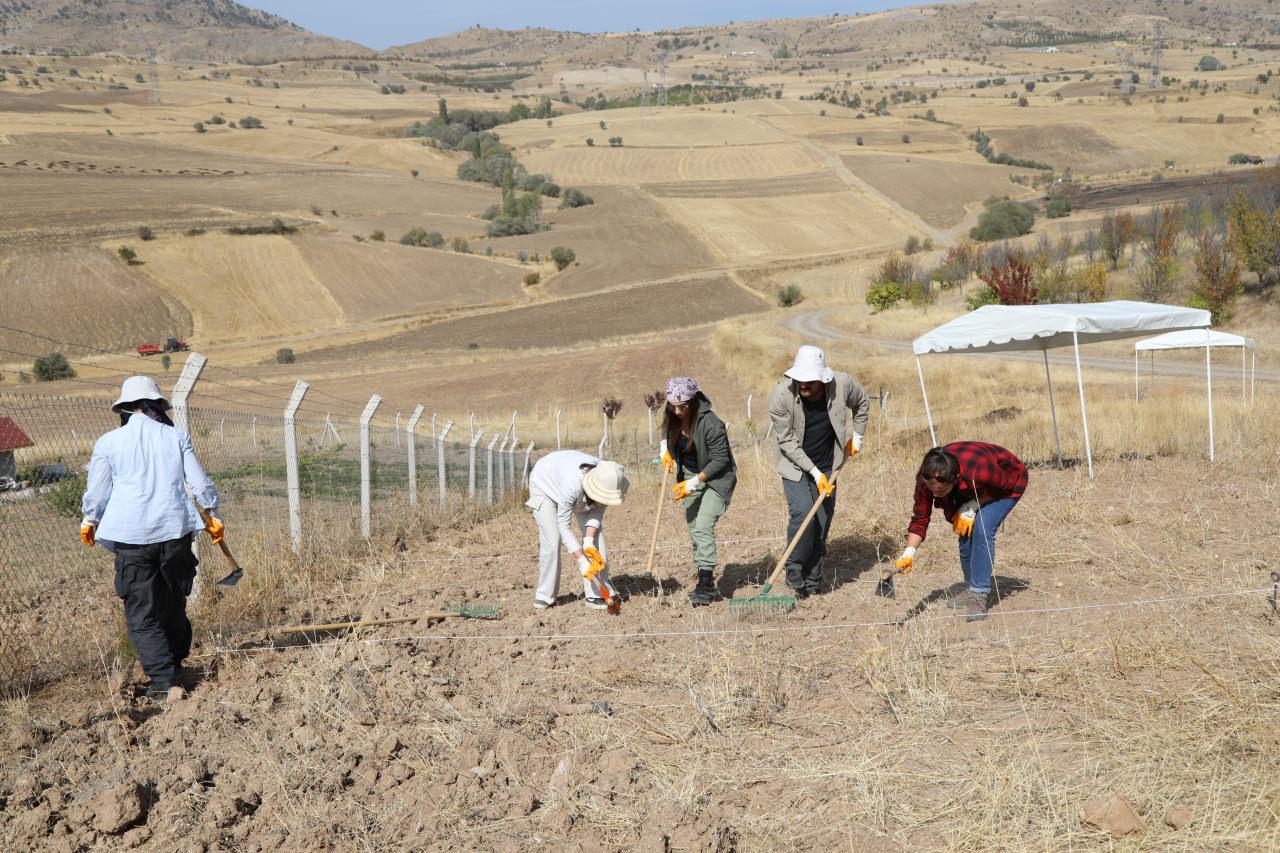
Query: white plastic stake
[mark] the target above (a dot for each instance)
(557, 429)
(649, 412)
(749, 396)
(253, 430)
(397, 429)
(489, 468)
(366, 498)
(222, 432)
(440, 465)
(411, 442)
(293, 486)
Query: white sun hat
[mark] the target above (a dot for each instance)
(606, 484)
(810, 366)
(137, 388)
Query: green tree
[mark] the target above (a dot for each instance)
(51, 367)
(284, 355)
(562, 257)
(1217, 277)
(1003, 219)
(1059, 206)
(790, 295)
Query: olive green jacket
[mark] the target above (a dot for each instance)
(715, 458)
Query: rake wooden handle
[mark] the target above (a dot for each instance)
(360, 623)
(804, 525)
(226, 552)
(657, 520)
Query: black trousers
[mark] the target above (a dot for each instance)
(154, 582)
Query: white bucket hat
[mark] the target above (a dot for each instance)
(137, 388)
(606, 484)
(810, 366)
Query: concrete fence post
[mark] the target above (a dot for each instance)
(411, 442)
(502, 464)
(489, 467)
(524, 471)
(471, 462)
(181, 417)
(441, 469)
(366, 496)
(292, 484)
(557, 429)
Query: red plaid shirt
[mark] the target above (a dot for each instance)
(995, 472)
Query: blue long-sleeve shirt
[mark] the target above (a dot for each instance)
(135, 491)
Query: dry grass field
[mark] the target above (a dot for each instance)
(1132, 652)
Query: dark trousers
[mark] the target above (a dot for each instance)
(804, 566)
(154, 582)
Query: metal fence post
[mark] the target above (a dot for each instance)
(489, 466)
(412, 442)
(524, 474)
(366, 499)
(181, 418)
(471, 464)
(293, 485)
(440, 466)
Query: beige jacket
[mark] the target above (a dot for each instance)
(786, 412)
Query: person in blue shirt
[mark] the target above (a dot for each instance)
(135, 506)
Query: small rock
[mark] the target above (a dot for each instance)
(118, 808)
(135, 837)
(1113, 815)
(388, 747)
(1178, 816)
(560, 777)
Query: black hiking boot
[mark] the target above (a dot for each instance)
(705, 592)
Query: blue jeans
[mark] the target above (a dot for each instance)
(978, 552)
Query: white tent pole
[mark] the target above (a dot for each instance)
(1136, 355)
(1084, 415)
(933, 436)
(1243, 384)
(1053, 409)
(1253, 379)
(1208, 388)
(1153, 372)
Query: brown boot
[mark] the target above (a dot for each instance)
(974, 605)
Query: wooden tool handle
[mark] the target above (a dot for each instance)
(360, 623)
(804, 525)
(657, 520)
(205, 515)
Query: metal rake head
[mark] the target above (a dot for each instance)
(474, 611)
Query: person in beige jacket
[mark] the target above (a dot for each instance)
(812, 433)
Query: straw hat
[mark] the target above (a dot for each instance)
(810, 366)
(137, 388)
(606, 484)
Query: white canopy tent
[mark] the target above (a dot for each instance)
(1195, 339)
(1022, 328)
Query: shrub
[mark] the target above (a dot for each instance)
(460, 245)
(433, 240)
(378, 237)
(906, 138)
(550, 189)
(413, 237)
(1210, 63)
(590, 142)
(575, 198)
(984, 295)
(250, 122)
(413, 173)
(522, 256)
(897, 269)
(1092, 282)
(128, 255)
(1238, 159)
(532, 278)
(284, 355)
(858, 141)
(1059, 206)
(562, 257)
(911, 246)
(921, 293)
(790, 295)
(1217, 277)
(491, 212)
(1221, 119)
(145, 233)
(884, 295)
(199, 126)
(1012, 283)
(277, 226)
(48, 368)
(1003, 219)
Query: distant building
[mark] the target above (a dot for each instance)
(11, 438)
(1052, 50)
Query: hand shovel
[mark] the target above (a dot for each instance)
(884, 588)
(233, 577)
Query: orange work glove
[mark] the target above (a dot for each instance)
(216, 530)
(88, 532)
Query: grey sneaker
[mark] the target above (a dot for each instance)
(974, 605)
(542, 605)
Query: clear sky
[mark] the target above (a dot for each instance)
(382, 23)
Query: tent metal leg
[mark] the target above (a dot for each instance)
(933, 436)
(1084, 415)
(1253, 379)
(1135, 374)
(1208, 387)
(1053, 409)
(1244, 389)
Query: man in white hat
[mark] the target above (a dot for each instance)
(563, 486)
(812, 432)
(136, 506)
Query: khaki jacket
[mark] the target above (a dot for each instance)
(786, 412)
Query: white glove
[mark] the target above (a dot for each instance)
(816, 475)
(857, 441)
(963, 522)
(584, 565)
(588, 542)
(693, 484)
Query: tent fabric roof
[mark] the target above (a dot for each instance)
(1004, 328)
(1194, 339)
(12, 437)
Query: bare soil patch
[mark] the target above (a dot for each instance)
(939, 191)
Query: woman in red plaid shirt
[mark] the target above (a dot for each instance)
(976, 485)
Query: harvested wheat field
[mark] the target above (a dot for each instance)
(602, 165)
(939, 191)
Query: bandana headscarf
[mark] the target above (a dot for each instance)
(681, 389)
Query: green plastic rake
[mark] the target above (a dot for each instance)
(764, 602)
